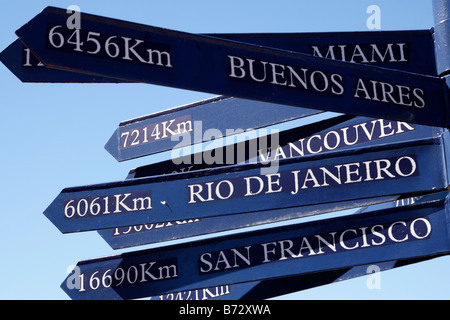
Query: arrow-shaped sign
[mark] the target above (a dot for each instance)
(394, 234)
(25, 66)
(310, 180)
(411, 50)
(140, 53)
(195, 123)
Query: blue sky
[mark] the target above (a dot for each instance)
(53, 135)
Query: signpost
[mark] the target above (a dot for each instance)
(344, 162)
(413, 232)
(122, 50)
(332, 135)
(238, 189)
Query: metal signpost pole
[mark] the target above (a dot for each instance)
(441, 12)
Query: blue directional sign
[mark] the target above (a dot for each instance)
(417, 231)
(332, 135)
(311, 180)
(411, 51)
(123, 50)
(335, 134)
(195, 123)
(148, 233)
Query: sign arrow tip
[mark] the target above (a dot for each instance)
(112, 146)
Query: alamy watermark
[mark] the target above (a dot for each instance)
(374, 20)
(235, 146)
(374, 280)
(74, 280)
(74, 20)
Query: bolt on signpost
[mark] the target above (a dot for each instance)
(343, 161)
